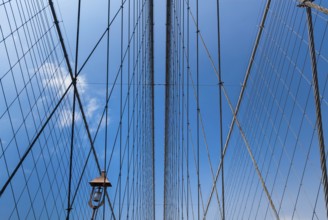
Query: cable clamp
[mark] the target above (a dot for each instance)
(302, 3)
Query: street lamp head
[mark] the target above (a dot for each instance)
(101, 181)
(99, 186)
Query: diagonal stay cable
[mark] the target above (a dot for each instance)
(76, 89)
(252, 156)
(206, 143)
(33, 142)
(99, 125)
(241, 93)
(203, 129)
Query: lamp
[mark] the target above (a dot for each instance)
(97, 197)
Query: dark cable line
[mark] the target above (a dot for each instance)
(318, 106)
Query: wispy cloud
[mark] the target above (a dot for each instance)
(57, 78)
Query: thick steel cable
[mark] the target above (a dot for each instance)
(75, 87)
(310, 4)
(152, 75)
(167, 102)
(318, 106)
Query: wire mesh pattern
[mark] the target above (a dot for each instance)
(57, 132)
(272, 167)
(65, 117)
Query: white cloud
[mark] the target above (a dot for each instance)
(59, 82)
(91, 107)
(55, 77)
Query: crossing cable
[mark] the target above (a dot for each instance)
(205, 139)
(262, 104)
(235, 115)
(42, 92)
(104, 110)
(252, 157)
(200, 115)
(100, 39)
(75, 87)
(72, 77)
(196, 96)
(259, 34)
(143, 66)
(33, 143)
(282, 108)
(294, 100)
(318, 105)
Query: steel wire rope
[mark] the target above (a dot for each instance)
(255, 164)
(100, 121)
(100, 39)
(278, 129)
(26, 181)
(259, 128)
(125, 104)
(318, 106)
(244, 86)
(106, 104)
(205, 140)
(69, 208)
(294, 105)
(121, 115)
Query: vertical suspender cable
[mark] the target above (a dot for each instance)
(121, 116)
(317, 105)
(167, 103)
(152, 72)
(197, 80)
(188, 68)
(241, 95)
(69, 208)
(182, 110)
(220, 97)
(107, 93)
(128, 123)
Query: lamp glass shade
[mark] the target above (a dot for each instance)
(97, 196)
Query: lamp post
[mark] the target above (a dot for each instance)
(97, 195)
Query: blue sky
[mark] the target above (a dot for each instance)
(239, 26)
(239, 20)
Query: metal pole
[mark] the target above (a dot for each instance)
(317, 105)
(93, 213)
